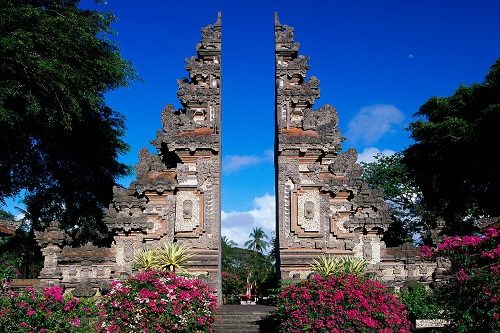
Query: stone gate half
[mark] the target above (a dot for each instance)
(176, 196)
(322, 205)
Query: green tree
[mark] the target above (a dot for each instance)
(390, 174)
(5, 215)
(456, 157)
(60, 141)
(257, 241)
(245, 262)
(226, 242)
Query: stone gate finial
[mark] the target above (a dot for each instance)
(219, 19)
(276, 20)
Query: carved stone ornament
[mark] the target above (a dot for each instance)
(208, 169)
(344, 162)
(284, 38)
(326, 115)
(187, 209)
(297, 67)
(148, 163)
(191, 92)
(210, 35)
(289, 169)
(197, 66)
(52, 235)
(306, 92)
(182, 172)
(308, 212)
(187, 216)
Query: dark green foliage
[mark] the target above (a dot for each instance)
(456, 157)
(420, 302)
(60, 142)
(390, 174)
(20, 256)
(4, 215)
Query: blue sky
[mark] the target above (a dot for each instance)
(377, 62)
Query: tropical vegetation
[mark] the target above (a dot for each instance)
(343, 303)
(47, 311)
(172, 257)
(157, 301)
(247, 268)
(470, 298)
(60, 140)
(257, 241)
(325, 265)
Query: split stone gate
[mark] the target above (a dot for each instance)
(322, 204)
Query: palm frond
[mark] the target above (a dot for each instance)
(327, 265)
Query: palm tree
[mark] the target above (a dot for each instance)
(228, 243)
(257, 241)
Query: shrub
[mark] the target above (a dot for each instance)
(326, 265)
(48, 311)
(471, 297)
(337, 304)
(157, 301)
(420, 303)
(171, 256)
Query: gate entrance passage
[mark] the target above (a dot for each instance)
(322, 204)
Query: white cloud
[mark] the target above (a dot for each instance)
(234, 163)
(373, 122)
(237, 225)
(368, 154)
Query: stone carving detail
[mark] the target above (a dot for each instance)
(309, 211)
(187, 212)
(197, 67)
(289, 169)
(148, 163)
(298, 66)
(182, 173)
(187, 209)
(208, 169)
(343, 162)
(321, 200)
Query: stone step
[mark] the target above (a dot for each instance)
(241, 319)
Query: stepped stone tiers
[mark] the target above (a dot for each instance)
(322, 204)
(176, 196)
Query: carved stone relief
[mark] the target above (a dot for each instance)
(188, 214)
(308, 213)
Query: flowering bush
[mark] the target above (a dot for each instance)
(48, 311)
(471, 297)
(338, 304)
(157, 301)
